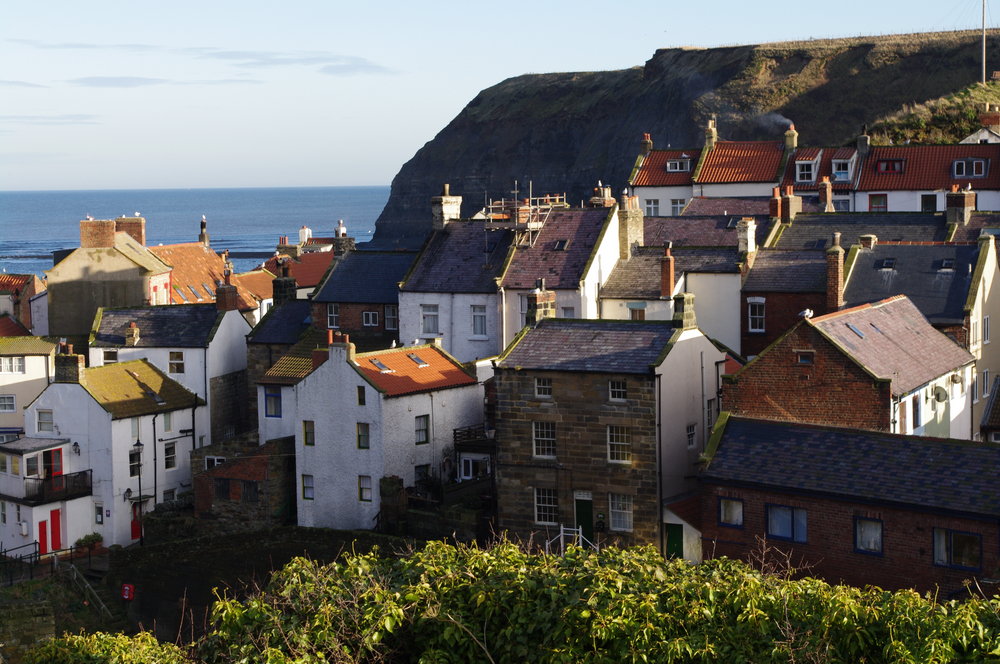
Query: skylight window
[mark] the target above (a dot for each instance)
(180, 292)
(194, 290)
(855, 330)
(380, 366)
(416, 358)
(561, 245)
(208, 289)
(887, 264)
(947, 263)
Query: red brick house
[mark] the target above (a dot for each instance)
(854, 506)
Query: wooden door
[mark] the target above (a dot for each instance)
(43, 537)
(136, 520)
(55, 528)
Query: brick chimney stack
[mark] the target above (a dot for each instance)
(283, 288)
(646, 145)
(667, 283)
(226, 295)
(134, 226)
(684, 311)
(835, 275)
(541, 304)
(791, 205)
(774, 211)
(69, 367)
(97, 233)
(203, 235)
(826, 194)
(445, 208)
(630, 226)
(132, 334)
(959, 205)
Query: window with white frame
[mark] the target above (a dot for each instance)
(546, 506)
(98, 513)
(333, 316)
(755, 314)
(422, 425)
(479, 320)
(44, 420)
(841, 170)
(175, 364)
(110, 356)
(365, 488)
(619, 444)
(523, 305)
(134, 461)
(170, 455)
(169, 495)
(652, 207)
(272, 401)
(391, 317)
(543, 387)
(12, 364)
(867, 535)
(568, 312)
(620, 507)
(213, 461)
(786, 523)
(691, 432)
(369, 319)
(974, 333)
(975, 387)
(134, 422)
(678, 165)
(429, 318)
(731, 512)
(363, 435)
(954, 548)
(677, 206)
(617, 390)
(7, 403)
(308, 487)
(986, 329)
(804, 171)
(543, 436)
(986, 382)
(168, 422)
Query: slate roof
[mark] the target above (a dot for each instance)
(920, 272)
(436, 370)
(893, 341)
(991, 414)
(25, 345)
(639, 277)
(979, 223)
(10, 327)
(826, 157)
(581, 227)
(856, 464)
(602, 346)
(196, 271)
(746, 206)
(742, 161)
(177, 326)
(784, 271)
(296, 364)
(366, 277)
(26, 445)
(307, 269)
(929, 167)
(283, 324)
(131, 389)
(464, 257)
(809, 231)
(654, 173)
(698, 231)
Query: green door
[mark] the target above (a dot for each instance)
(675, 540)
(585, 518)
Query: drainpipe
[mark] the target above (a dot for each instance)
(204, 368)
(156, 466)
(659, 465)
(503, 319)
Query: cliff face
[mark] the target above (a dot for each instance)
(564, 132)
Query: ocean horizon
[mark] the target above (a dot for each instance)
(245, 220)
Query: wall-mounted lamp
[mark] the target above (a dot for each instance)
(128, 494)
(76, 448)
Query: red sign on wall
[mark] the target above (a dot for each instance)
(128, 591)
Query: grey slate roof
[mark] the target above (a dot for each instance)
(177, 326)
(918, 273)
(781, 271)
(26, 445)
(464, 257)
(815, 231)
(893, 341)
(366, 277)
(283, 324)
(639, 277)
(861, 465)
(602, 346)
(688, 231)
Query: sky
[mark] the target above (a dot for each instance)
(214, 93)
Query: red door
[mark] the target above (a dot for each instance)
(136, 521)
(52, 464)
(43, 537)
(55, 518)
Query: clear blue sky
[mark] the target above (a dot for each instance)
(216, 93)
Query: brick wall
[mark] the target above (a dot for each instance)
(832, 390)
(781, 312)
(364, 337)
(581, 411)
(907, 558)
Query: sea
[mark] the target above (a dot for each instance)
(248, 221)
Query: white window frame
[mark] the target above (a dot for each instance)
(804, 171)
(730, 512)
(543, 388)
(692, 435)
(652, 207)
(430, 319)
(986, 329)
(369, 319)
(841, 167)
(868, 535)
(391, 317)
(756, 319)
(678, 165)
(8, 403)
(169, 455)
(12, 364)
(543, 439)
(959, 168)
(365, 489)
(109, 356)
(619, 444)
(986, 383)
(478, 312)
(308, 487)
(617, 390)
(44, 420)
(168, 422)
(422, 429)
(333, 316)
(175, 362)
(677, 206)
(546, 506)
(620, 510)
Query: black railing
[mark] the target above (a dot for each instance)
(477, 433)
(59, 487)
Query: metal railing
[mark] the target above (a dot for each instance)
(568, 537)
(73, 574)
(58, 487)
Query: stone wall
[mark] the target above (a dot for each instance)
(23, 626)
(229, 405)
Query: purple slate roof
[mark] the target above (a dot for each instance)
(560, 268)
(815, 231)
(602, 346)
(749, 206)
(698, 231)
(979, 222)
(639, 277)
(892, 340)
(464, 257)
(781, 271)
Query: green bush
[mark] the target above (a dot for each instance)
(103, 648)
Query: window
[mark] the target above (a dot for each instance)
(806, 357)
(168, 422)
(391, 317)
(11, 364)
(878, 202)
(678, 165)
(365, 488)
(975, 387)
(308, 432)
(134, 461)
(473, 467)
(175, 365)
(3, 512)
(3, 463)
(560, 245)
(787, 523)
(915, 404)
(710, 413)
(959, 169)
(135, 428)
(213, 461)
(969, 168)
(45, 420)
(169, 494)
(369, 318)
(867, 535)
(928, 203)
(804, 171)
(546, 506)
(620, 507)
(544, 438)
(841, 170)
(889, 166)
(31, 466)
(986, 383)
(272, 401)
(98, 513)
(618, 390)
(421, 474)
(974, 334)
(7, 403)
(523, 301)
(543, 387)
(429, 318)
(841, 205)
(15, 466)
(250, 491)
(691, 434)
(755, 314)
(619, 444)
(677, 206)
(568, 312)
(978, 168)
(221, 488)
(652, 207)
(308, 490)
(731, 512)
(422, 424)
(986, 329)
(333, 316)
(479, 320)
(110, 356)
(170, 455)
(954, 548)
(364, 439)
(636, 314)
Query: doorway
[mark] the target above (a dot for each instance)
(584, 504)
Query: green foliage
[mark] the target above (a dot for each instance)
(948, 119)
(88, 541)
(102, 648)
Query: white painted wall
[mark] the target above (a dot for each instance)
(24, 387)
(40, 314)
(909, 201)
(664, 195)
(604, 258)
(614, 309)
(270, 428)
(717, 305)
(735, 190)
(454, 322)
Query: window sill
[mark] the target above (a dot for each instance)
(479, 337)
(734, 526)
(620, 463)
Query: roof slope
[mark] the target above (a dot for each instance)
(25, 345)
(826, 157)
(781, 271)
(692, 231)
(921, 272)
(604, 346)
(178, 326)
(14, 283)
(464, 256)
(283, 324)
(639, 277)
(130, 389)
(580, 227)
(412, 369)
(307, 269)
(742, 161)
(810, 231)
(11, 327)
(259, 283)
(929, 167)
(366, 277)
(654, 173)
(893, 341)
(853, 463)
(196, 271)
(297, 363)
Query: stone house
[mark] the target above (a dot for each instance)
(26, 368)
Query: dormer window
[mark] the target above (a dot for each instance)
(804, 171)
(969, 168)
(841, 170)
(889, 166)
(678, 165)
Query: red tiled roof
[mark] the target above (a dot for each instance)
(806, 154)
(742, 161)
(929, 167)
(195, 271)
(260, 282)
(11, 282)
(825, 168)
(11, 328)
(307, 270)
(406, 376)
(653, 172)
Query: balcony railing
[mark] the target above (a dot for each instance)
(60, 487)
